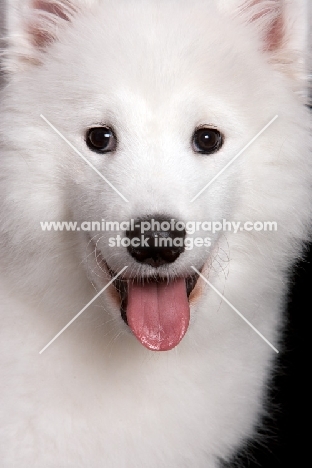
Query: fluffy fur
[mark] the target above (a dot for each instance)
(154, 70)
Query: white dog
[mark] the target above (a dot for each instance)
(181, 121)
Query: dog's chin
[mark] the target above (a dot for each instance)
(155, 305)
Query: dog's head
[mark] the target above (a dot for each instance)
(144, 108)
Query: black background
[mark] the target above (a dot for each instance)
(284, 437)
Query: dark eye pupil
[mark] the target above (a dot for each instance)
(101, 140)
(207, 140)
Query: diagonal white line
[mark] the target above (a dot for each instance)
(82, 156)
(235, 310)
(234, 159)
(82, 310)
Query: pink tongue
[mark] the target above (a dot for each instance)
(158, 313)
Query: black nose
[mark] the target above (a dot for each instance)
(156, 241)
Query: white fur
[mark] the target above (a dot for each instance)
(155, 70)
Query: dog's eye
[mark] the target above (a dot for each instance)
(207, 140)
(101, 139)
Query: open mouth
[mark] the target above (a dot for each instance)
(156, 309)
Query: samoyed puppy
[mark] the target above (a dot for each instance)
(146, 147)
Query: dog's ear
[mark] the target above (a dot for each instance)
(31, 26)
(283, 30)
(47, 16)
(268, 17)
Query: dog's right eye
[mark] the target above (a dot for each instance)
(101, 140)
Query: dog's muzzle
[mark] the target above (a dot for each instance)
(156, 306)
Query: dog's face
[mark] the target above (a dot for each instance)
(159, 117)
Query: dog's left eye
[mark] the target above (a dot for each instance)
(101, 140)
(207, 140)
